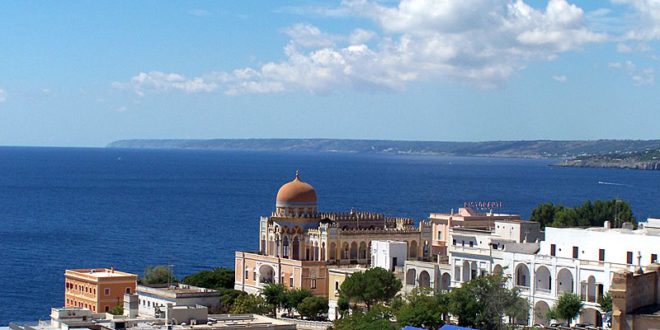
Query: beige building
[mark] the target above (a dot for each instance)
(465, 218)
(336, 277)
(98, 289)
(297, 243)
(636, 299)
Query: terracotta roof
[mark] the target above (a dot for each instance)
(295, 192)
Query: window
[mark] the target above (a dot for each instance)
(601, 254)
(454, 242)
(107, 308)
(247, 274)
(254, 275)
(439, 235)
(575, 252)
(462, 243)
(336, 285)
(107, 291)
(654, 258)
(629, 257)
(553, 249)
(291, 282)
(471, 244)
(128, 290)
(312, 283)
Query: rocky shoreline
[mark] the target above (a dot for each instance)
(613, 163)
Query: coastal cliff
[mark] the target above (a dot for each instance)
(633, 154)
(643, 160)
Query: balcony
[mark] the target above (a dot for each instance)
(542, 291)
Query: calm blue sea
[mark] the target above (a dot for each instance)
(72, 208)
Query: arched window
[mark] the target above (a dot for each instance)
(296, 248)
(285, 245)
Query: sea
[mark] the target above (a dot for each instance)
(64, 208)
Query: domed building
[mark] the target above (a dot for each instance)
(296, 199)
(297, 243)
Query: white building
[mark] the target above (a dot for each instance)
(153, 300)
(575, 260)
(388, 254)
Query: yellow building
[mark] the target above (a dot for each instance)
(98, 289)
(297, 243)
(336, 277)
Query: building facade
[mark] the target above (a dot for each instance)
(582, 261)
(98, 289)
(389, 255)
(154, 299)
(297, 243)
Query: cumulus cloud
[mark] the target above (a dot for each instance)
(3, 95)
(640, 76)
(479, 42)
(647, 19)
(309, 36)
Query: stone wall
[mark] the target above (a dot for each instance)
(632, 292)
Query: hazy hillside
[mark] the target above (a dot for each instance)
(535, 149)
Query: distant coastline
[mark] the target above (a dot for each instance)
(639, 160)
(573, 153)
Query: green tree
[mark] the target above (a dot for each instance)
(423, 309)
(117, 310)
(228, 299)
(294, 297)
(593, 214)
(158, 275)
(375, 285)
(250, 304)
(568, 306)
(551, 314)
(218, 278)
(518, 308)
(275, 295)
(483, 302)
(312, 307)
(605, 302)
(343, 305)
(544, 214)
(376, 318)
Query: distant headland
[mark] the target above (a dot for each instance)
(634, 154)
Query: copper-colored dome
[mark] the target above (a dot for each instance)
(296, 192)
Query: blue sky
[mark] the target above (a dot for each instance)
(85, 73)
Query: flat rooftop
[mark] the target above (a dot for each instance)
(99, 272)
(178, 288)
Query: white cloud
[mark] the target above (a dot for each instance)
(3, 95)
(479, 42)
(647, 19)
(163, 82)
(309, 36)
(360, 36)
(629, 48)
(640, 76)
(561, 79)
(121, 109)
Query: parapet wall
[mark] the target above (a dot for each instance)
(632, 292)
